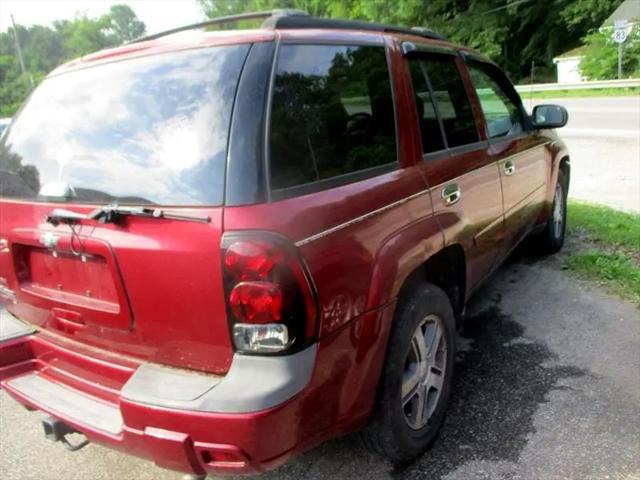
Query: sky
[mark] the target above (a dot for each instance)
(158, 15)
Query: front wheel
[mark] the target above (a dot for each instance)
(551, 239)
(417, 376)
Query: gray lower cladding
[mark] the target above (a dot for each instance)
(67, 402)
(11, 327)
(253, 383)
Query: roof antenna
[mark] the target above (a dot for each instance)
(533, 66)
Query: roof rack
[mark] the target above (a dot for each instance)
(306, 21)
(298, 19)
(276, 13)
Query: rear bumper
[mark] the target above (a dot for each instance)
(260, 414)
(184, 421)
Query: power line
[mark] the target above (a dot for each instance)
(504, 7)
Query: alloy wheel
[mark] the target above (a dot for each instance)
(424, 373)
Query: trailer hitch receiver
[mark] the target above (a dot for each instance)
(57, 431)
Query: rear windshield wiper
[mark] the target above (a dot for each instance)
(115, 213)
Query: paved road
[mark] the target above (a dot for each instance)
(603, 136)
(548, 387)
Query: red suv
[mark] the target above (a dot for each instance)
(218, 249)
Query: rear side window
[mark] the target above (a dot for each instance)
(332, 114)
(430, 132)
(451, 98)
(145, 130)
(501, 112)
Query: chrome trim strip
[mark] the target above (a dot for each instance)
(359, 219)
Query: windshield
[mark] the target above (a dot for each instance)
(146, 130)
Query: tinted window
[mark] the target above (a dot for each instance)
(501, 113)
(451, 99)
(332, 113)
(145, 130)
(430, 132)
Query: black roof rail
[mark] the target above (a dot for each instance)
(298, 19)
(276, 13)
(302, 22)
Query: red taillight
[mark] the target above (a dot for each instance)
(250, 260)
(266, 285)
(256, 302)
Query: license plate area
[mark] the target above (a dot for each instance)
(85, 285)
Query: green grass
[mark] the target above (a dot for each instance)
(612, 256)
(616, 271)
(586, 92)
(605, 225)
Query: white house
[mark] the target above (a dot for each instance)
(567, 64)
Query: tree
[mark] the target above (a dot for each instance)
(600, 59)
(512, 33)
(124, 23)
(45, 48)
(84, 35)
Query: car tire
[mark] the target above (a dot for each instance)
(402, 426)
(551, 239)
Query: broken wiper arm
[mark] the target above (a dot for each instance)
(61, 215)
(114, 213)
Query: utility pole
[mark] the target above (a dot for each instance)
(19, 50)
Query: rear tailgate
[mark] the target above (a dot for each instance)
(132, 129)
(150, 288)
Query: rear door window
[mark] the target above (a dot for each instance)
(451, 99)
(430, 132)
(502, 114)
(151, 130)
(332, 115)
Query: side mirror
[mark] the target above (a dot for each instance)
(549, 116)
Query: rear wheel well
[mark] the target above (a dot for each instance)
(445, 269)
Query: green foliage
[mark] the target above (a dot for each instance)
(124, 24)
(14, 88)
(45, 48)
(600, 60)
(512, 33)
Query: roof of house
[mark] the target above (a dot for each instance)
(628, 10)
(573, 53)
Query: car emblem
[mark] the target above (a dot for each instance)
(49, 239)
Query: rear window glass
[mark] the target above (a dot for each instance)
(332, 113)
(146, 130)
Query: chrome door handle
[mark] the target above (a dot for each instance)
(509, 168)
(451, 194)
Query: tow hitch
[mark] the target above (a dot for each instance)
(57, 431)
